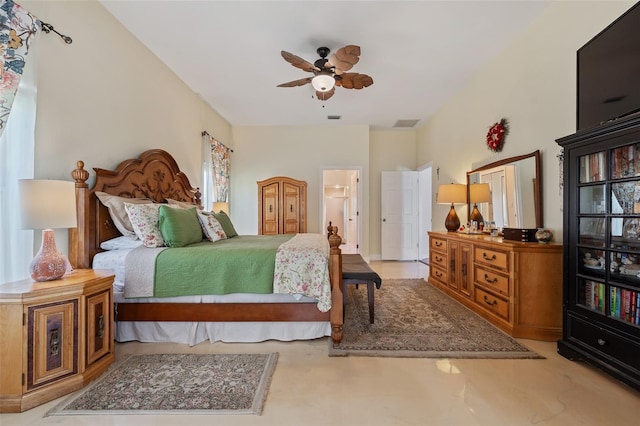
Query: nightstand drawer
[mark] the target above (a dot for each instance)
(495, 258)
(494, 304)
(488, 278)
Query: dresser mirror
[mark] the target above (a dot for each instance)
(516, 191)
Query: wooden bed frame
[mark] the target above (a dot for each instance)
(156, 175)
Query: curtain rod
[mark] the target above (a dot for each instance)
(47, 28)
(205, 133)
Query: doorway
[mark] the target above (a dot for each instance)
(341, 205)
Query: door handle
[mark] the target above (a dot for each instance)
(384, 220)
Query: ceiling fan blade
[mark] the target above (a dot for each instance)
(323, 96)
(345, 58)
(354, 80)
(296, 83)
(298, 62)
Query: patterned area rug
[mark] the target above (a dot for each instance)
(177, 384)
(415, 319)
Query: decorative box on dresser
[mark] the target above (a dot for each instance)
(517, 286)
(601, 300)
(56, 336)
(282, 206)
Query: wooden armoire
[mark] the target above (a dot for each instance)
(282, 206)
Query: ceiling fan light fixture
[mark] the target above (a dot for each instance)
(323, 82)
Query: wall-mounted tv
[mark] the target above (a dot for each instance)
(609, 72)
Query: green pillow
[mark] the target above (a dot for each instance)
(179, 227)
(226, 224)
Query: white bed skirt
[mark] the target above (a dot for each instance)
(193, 333)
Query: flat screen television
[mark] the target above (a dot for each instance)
(609, 72)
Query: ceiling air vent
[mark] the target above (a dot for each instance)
(405, 123)
(334, 117)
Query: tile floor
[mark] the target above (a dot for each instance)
(309, 388)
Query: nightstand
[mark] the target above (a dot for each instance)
(56, 336)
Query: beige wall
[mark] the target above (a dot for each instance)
(390, 150)
(105, 98)
(301, 153)
(533, 84)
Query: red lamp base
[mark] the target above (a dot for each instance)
(48, 264)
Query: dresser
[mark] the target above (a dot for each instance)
(56, 337)
(282, 206)
(516, 286)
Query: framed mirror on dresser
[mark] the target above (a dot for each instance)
(516, 191)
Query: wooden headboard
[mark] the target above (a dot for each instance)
(155, 175)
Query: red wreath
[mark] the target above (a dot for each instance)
(496, 134)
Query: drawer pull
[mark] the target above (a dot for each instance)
(486, 300)
(54, 342)
(485, 257)
(100, 326)
(438, 274)
(493, 281)
(438, 243)
(438, 259)
(602, 342)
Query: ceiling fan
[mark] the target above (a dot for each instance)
(329, 73)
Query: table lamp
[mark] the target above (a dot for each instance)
(453, 193)
(221, 206)
(478, 193)
(47, 204)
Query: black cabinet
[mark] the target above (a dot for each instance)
(601, 263)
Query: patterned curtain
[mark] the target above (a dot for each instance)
(215, 170)
(18, 29)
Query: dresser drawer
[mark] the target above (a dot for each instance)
(491, 303)
(495, 258)
(605, 342)
(438, 274)
(490, 279)
(438, 244)
(438, 259)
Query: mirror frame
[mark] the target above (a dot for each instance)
(538, 189)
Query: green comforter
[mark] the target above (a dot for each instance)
(243, 264)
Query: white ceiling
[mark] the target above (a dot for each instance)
(419, 53)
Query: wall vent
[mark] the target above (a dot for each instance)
(405, 123)
(334, 117)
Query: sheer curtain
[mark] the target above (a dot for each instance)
(17, 146)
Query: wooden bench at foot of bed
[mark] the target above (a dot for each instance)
(156, 175)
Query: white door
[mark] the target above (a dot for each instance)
(399, 216)
(352, 217)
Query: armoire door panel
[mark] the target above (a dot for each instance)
(282, 206)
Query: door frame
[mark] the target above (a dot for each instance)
(322, 206)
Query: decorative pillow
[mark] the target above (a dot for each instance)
(211, 227)
(118, 213)
(226, 224)
(120, 243)
(179, 227)
(181, 204)
(144, 219)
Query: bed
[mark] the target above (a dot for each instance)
(236, 317)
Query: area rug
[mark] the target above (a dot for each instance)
(415, 319)
(177, 384)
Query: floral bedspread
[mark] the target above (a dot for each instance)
(302, 267)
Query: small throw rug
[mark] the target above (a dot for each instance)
(415, 319)
(177, 384)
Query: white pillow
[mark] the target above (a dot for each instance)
(211, 227)
(118, 213)
(144, 219)
(120, 243)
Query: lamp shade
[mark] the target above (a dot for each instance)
(453, 193)
(323, 82)
(221, 206)
(47, 204)
(479, 193)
